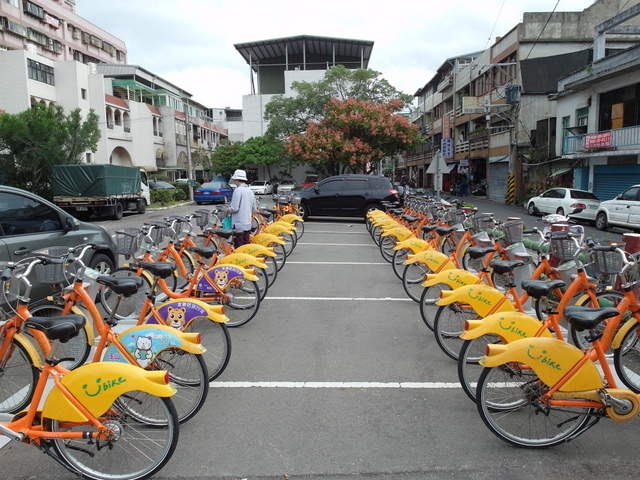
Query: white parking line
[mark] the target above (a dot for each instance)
(348, 299)
(340, 385)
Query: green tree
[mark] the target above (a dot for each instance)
(265, 150)
(225, 159)
(353, 136)
(287, 115)
(35, 140)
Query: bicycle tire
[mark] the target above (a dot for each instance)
(188, 374)
(626, 359)
(413, 276)
(376, 234)
(299, 228)
(77, 347)
(271, 270)
(281, 256)
(507, 400)
(129, 306)
(397, 262)
(428, 307)
(190, 266)
(448, 325)
(241, 303)
(140, 450)
(19, 378)
(469, 368)
(387, 245)
(215, 338)
(290, 242)
(473, 265)
(262, 282)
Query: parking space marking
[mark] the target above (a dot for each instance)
(339, 385)
(348, 299)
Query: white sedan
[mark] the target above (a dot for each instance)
(564, 201)
(261, 188)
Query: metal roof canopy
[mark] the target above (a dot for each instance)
(265, 51)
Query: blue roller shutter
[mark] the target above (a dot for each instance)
(611, 180)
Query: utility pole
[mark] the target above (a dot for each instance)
(189, 165)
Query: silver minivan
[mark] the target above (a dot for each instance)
(622, 211)
(29, 222)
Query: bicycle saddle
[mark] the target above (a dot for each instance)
(121, 285)
(411, 218)
(61, 328)
(586, 318)
(479, 252)
(442, 231)
(159, 269)
(204, 252)
(541, 288)
(505, 266)
(429, 228)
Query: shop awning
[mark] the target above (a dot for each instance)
(560, 172)
(503, 158)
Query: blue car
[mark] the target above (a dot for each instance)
(211, 192)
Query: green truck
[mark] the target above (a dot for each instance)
(100, 189)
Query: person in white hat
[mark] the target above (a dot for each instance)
(243, 204)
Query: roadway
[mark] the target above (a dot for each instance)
(338, 378)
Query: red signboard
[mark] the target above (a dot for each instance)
(446, 126)
(598, 140)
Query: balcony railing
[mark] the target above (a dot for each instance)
(619, 137)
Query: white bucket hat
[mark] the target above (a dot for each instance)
(239, 175)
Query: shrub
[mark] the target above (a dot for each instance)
(162, 196)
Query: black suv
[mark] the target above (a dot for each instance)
(346, 196)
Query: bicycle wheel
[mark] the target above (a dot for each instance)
(448, 324)
(77, 347)
(138, 448)
(272, 269)
(609, 298)
(473, 265)
(397, 262)
(447, 245)
(299, 228)
(508, 400)
(469, 370)
(281, 255)
(412, 278)
(129, 306)
(290, 241)
(188, 373)
(18, 378)
(262, 282)
(387, 245)
(190, 267)
(242, 302)
(376, 234)
(216, 339)
(428, 307)
(626, 359)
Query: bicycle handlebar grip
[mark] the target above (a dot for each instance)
(6, 274)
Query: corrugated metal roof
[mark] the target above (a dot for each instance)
(263, 50)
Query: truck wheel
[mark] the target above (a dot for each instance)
(117, 211)
(141, 206)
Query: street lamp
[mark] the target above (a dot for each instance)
(189, 165)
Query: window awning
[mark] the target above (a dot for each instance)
(560, 172)
(503, 158)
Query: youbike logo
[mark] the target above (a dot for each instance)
(477, 296)
(512, 327)
(455, 278)
(102, 386)
(543, 358)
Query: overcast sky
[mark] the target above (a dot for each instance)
(190, 42)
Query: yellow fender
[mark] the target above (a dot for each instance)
(290, 218)
(482, 298)
(287, 226)
(243, 260)
(549, 358)
(435, 260)
(622, 331)
(401, 233)
(455, 278)
(256, 250)
(188, 309)
(276, 229)
(187, 341)
(509, 326)
(414, 244)
(97, 385)
(266, 239)
(385, 222)
(28, 346)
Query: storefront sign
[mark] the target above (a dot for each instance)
(598, 140)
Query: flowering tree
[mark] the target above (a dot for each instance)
(352, 136)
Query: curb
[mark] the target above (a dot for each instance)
(170, 206)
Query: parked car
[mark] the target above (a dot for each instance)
(564, 201)
(211, 192)
(347, 196)
(261, 187)
(159, 185)
(287, 185)
(311, 179)
(622, 211)
(29, 222)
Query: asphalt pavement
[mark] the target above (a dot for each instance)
(338, 378)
